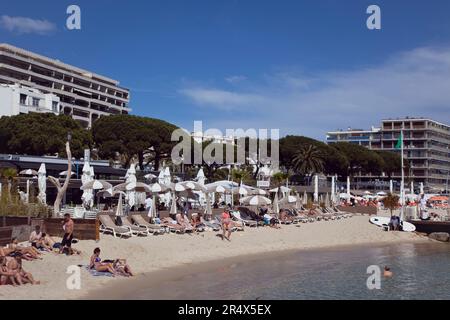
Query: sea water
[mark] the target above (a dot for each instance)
(421, 271)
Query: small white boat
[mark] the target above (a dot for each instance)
(384, 222)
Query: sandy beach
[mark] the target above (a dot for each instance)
(156, 253)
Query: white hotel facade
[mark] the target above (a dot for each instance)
(34, 83)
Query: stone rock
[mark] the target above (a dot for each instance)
(440, 236)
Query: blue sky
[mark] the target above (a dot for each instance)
(304, 67)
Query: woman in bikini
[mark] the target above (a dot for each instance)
(8, 276)
(226, 225)
(97, 264)
(15, 264)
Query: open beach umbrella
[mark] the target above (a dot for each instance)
(133, 186)
(158, 188)
(288, 200)
(97, 185)
(64, 173)
(28, 172)
(42, 184)
(256, 200)
(216, 189)
(150, 176)
(193, 185)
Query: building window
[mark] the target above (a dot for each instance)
(35, 102)
(23, 99)
(55, 106)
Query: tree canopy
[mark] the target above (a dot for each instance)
(333, 161)
(42, 134)
(130, 136)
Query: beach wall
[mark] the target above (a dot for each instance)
(84, 229)
(369, 210)
(5, 235)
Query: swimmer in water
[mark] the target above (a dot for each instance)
(387, 272)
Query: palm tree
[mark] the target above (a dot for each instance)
(238, 175)
(308, 160)
(279, 178)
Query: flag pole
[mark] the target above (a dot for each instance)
(402, 187)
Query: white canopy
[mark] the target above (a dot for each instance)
(256, 200)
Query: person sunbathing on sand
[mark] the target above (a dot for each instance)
(27, 253)
(121, 267)
(8, 276)
(97, 264)
(15, 264)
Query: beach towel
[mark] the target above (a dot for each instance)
(96, 273)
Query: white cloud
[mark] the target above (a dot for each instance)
(24, 25)
(235, 79)
(221, 99)
(413, 83)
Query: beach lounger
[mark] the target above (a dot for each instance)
(172, 225)
(236, 226)
(151, 227)
(249, 223)
(108, 225)
(211, 224)
(137, 230)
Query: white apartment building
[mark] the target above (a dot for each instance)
(16, 99)
(84, 95)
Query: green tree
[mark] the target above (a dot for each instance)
(280, 178)
(42, 134)
(333, 161)
(308, 160)
(127, 137)
(360, 159)
(392, 162)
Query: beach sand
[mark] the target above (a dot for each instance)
(153, 253)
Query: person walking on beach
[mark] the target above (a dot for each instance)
(226, 225)
(66, 243)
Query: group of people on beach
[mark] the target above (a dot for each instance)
(11, 266)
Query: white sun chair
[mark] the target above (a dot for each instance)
(107, 225)
(151, 227)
